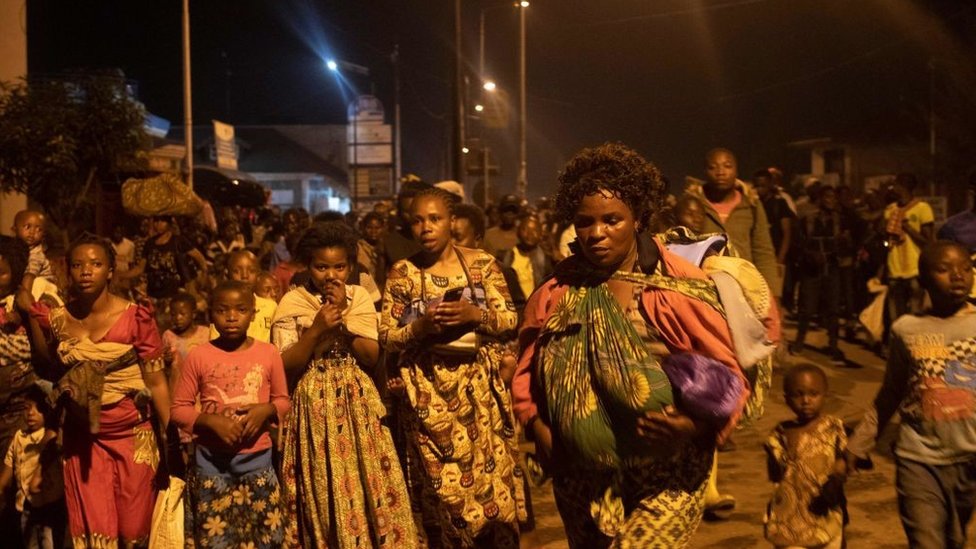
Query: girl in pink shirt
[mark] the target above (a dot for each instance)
(240, 382)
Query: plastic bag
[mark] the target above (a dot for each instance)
(167, 519)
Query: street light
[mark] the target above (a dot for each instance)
(334, 65)
(489, 85)
(479, 108)
(522, 182)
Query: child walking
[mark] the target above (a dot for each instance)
(805, 459)
(929, 381)
(33, 461)
(234, 498)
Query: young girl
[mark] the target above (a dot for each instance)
(929, 381)
(234, 498)
(343, 485)
(34, 462)
(805, 457)
(107, 437)
(183, 334)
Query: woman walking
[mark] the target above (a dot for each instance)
(629, 461)
(444, 310)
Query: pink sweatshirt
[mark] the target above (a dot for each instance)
(225, 383)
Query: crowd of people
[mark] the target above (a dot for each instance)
(344, 380)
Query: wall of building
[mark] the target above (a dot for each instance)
(13, 65)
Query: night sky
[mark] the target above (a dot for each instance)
(671, 78)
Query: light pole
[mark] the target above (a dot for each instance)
(187, 96)
(334, 66)
(489, 86)
(459, 112)
(522, 183)
(397, 150)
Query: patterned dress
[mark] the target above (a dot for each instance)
(456, 416)
(599, 365)
(343, 486)
(789, 519)
(123, 452)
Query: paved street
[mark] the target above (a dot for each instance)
(871, 494)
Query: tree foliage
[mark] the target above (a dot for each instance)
(59, 137)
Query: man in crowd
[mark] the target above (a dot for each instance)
(504, 235)
(733, 207)
(909, 225)
(780, 217)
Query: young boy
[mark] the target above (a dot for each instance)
(929, 381)
(29, 229)
(242, 266)
(267, 287)
(34, 461)
(240, 383)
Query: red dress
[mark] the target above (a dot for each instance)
(109, 477)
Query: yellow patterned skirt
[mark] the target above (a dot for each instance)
(341, 478)
(661, 502)
(461, 450)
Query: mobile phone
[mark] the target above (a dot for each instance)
(453, 294)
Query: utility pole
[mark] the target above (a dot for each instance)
(522, 182)
(932, 147)
(187, 96)
(398, 148)
(458, 97)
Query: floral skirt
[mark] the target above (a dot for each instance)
(233, 502)
(342, 482)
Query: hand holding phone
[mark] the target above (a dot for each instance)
(453, 294)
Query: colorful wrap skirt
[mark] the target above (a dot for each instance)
(652, 504)
(342, 482)
(109, 478)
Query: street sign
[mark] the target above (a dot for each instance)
(365, 109)
(225, 145)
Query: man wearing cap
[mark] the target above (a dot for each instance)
(505, 235)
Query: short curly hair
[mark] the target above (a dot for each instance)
(611, 167)
(328, 234)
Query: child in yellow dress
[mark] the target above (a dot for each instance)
(805, 458)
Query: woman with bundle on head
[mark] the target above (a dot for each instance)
(444, 310)
(342, 482)
(109, 352)
(626, 377)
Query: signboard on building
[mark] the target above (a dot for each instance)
(369, 144)
(225, 146)
(365, 109)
